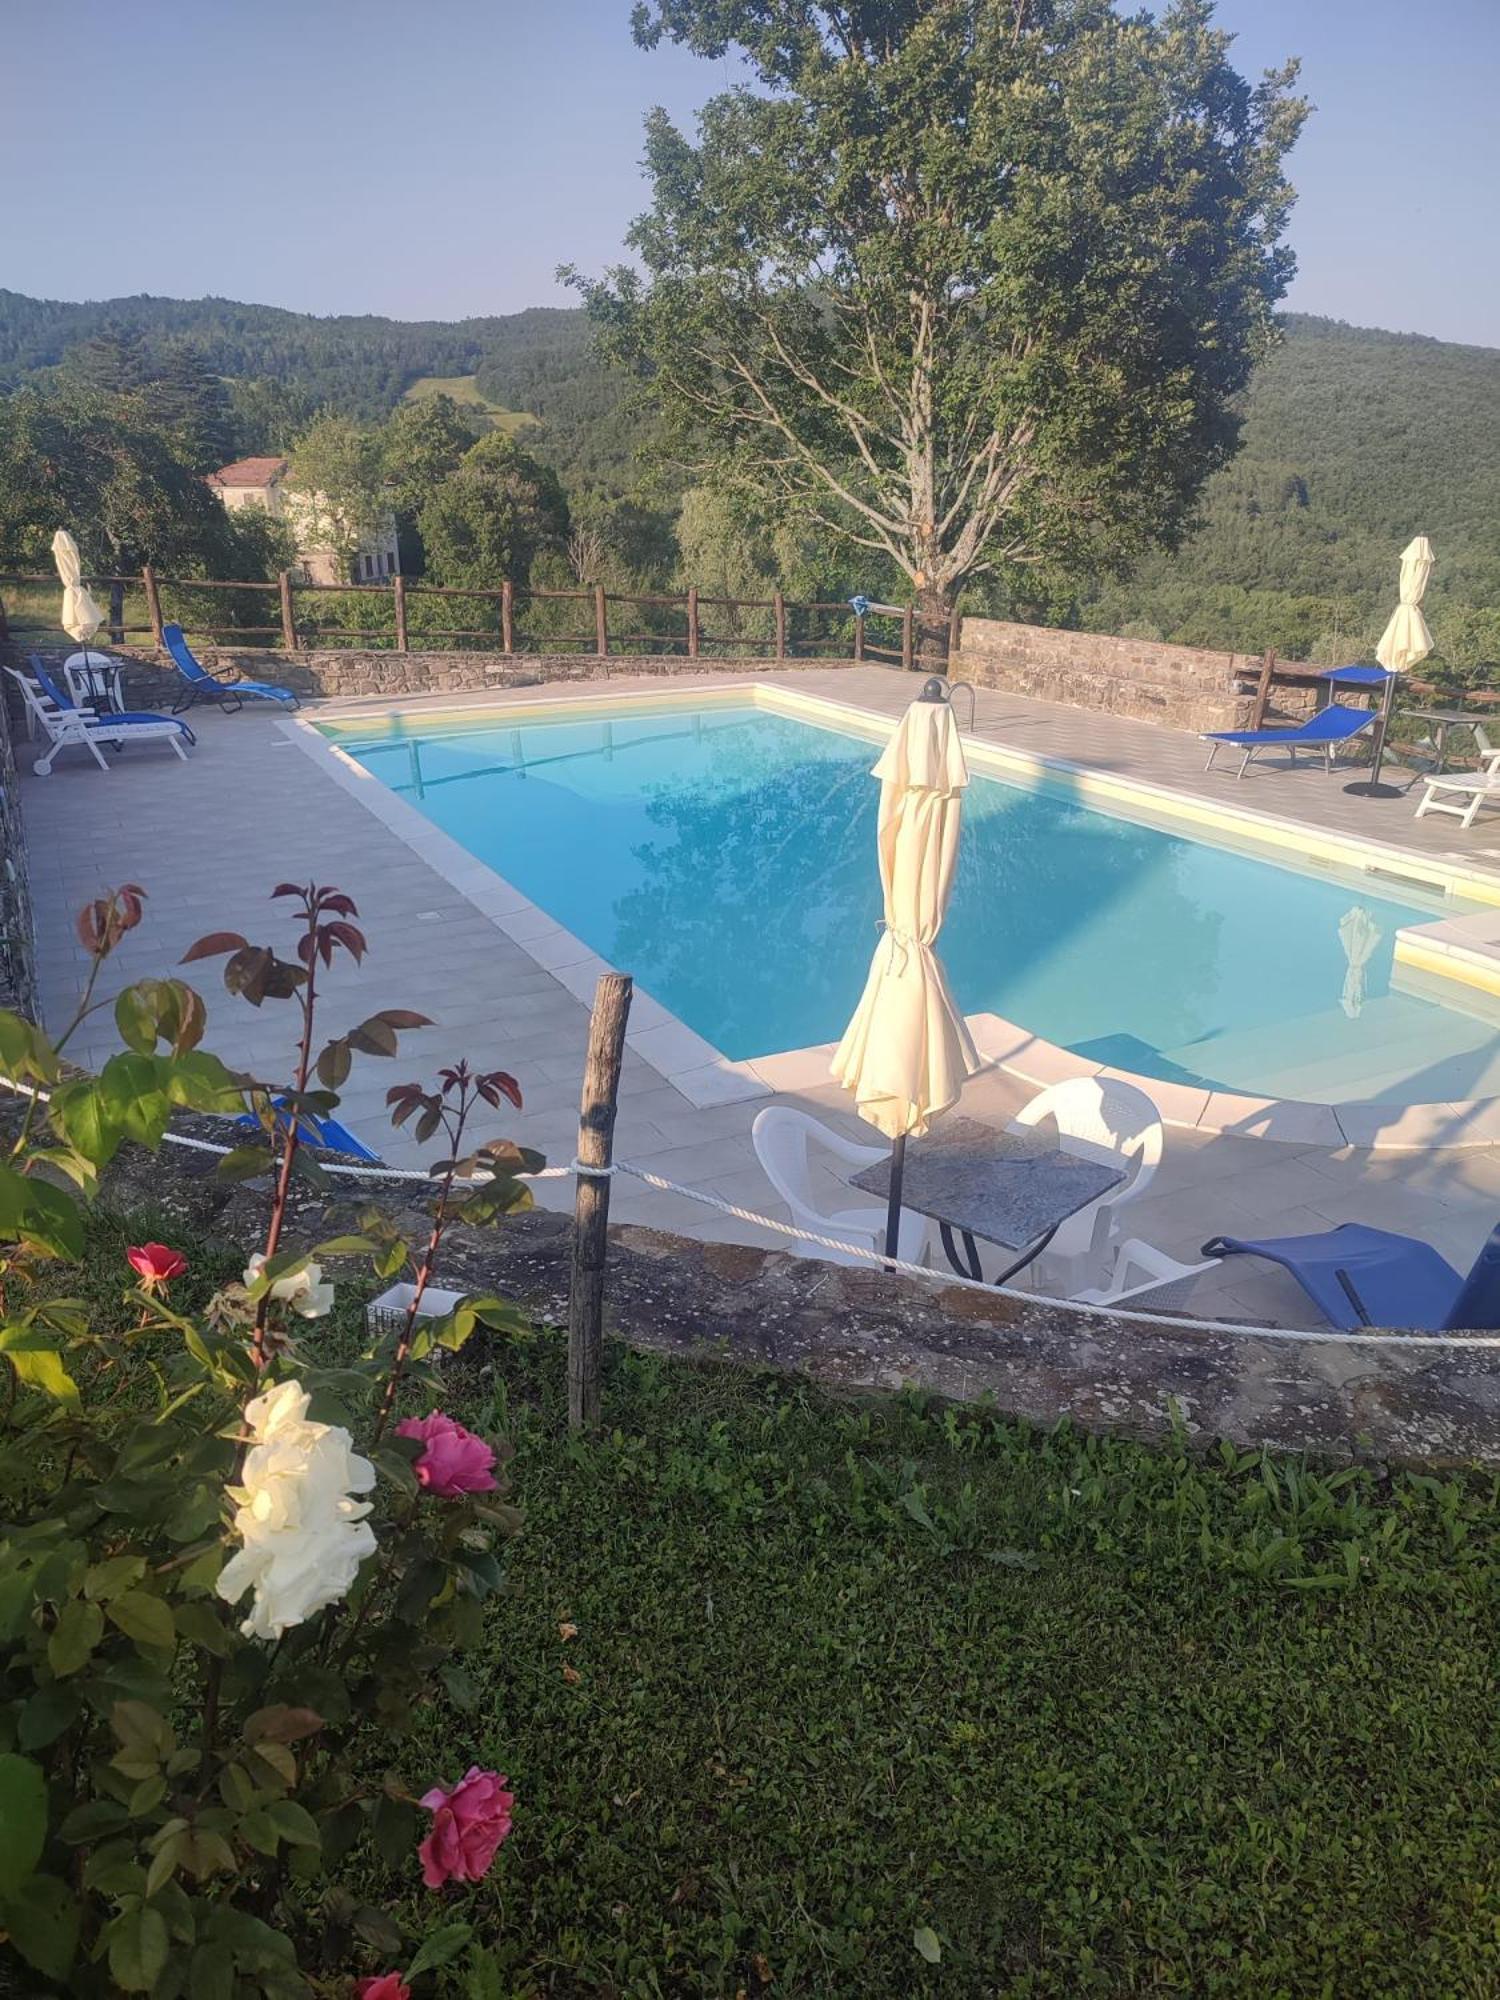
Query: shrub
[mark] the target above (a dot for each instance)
(175, 1773)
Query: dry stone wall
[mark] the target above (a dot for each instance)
(1183, 687)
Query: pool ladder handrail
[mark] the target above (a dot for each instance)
(973, 694)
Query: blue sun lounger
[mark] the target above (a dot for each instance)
(204, 686)
(1372, 1277)
(1331, 726)
(63, 723)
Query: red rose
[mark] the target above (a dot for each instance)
(155, 1264)
(386, 1986)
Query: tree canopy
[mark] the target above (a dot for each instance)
(967, 282)
(493, 516)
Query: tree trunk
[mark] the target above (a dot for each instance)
(934, 622)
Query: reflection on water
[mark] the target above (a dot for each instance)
(727, 859)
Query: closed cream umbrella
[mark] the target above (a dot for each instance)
(906, 1053)
(81, 616)
(1359, 934)
(1404, 642)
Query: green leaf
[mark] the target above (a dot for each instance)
(294, 1823)
(243, 1163)
(211, 1973)
(200, 1082)
(282, 1724)
(44, 1923)
(49, 1712)
(394, 1827)
(462, 1689)
(441, 1947)
(144, 1618)
(142, 1730)
(926, 1942)
(23, 1819)
(201, 1625)
(42, 1216)
(133, 1090)
(79, 1628)
(107, 1579)
(38, 1364)
(25, 1051)
(138, 1946)
(258, 1830)
(92, 1821)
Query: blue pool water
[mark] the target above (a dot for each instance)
(726, 858)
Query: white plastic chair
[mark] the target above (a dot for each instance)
(784, 1140)
(1489, 753)
(64, 727)
(1146, 1277)
(1097, 1118)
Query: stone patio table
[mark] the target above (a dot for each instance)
(1016, 1189)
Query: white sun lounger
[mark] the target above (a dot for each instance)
(1467, 795)
(63, 726)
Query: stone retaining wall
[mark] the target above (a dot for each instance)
(1183, 687)
(347, 671)
(855, 1330)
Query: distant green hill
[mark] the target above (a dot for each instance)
(1354, 440)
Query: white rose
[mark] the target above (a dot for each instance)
(303, 1537)
(307, 1292)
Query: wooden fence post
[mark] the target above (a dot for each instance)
(692, 615)
(780, 608)
(906, 640)
(955, 630)
(1263, 691)
(4, 621)
(398, 596)
(859, 635)
(601, 623)
(116, 613)
(596, 1130)
(507, 616)
(288, 622)
(153, 603)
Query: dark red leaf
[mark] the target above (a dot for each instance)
(212, 946)
(341, 905)
(287, 889)
(402, 1017)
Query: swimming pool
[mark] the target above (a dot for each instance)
(725, 856)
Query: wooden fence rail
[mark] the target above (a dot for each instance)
(300, 616)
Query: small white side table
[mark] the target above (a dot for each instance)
(94, 680)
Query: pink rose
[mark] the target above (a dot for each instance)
(468, 1824)
(455, 1461)
(388, 1986)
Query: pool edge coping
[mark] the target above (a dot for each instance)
(705, 1076)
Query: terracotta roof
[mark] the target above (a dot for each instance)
(249, 472)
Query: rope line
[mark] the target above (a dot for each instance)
(863, 1254)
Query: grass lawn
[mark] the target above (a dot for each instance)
(855, 1684)
(463, 389)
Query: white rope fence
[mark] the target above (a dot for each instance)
(863, 1254)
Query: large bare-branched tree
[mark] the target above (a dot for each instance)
(968, 282)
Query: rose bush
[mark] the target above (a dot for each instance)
(177, 1776)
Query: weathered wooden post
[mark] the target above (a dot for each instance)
(507, 616)
(4, 621)
(398, 597)
(153, 603)
(601, 623)
(692, 615)
(859, 635)
(596, 1132)
(116, 611)
(288, 622)
(1263, 691)
(779, 603)
(955, 631)
(906, 640)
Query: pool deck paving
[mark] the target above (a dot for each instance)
(209, 839)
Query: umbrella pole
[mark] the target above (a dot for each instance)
(1371, 787)
(893, 1208)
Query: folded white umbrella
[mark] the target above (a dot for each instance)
(81, 616)
(907, 1051)
(1406, 639)
(1358, 934)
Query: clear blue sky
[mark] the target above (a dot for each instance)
(436, 158)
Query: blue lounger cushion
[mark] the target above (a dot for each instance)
(202, 682)
(1362, 1277)
(1334, 724)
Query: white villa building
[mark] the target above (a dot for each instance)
(261, 482)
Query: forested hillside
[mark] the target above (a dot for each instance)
(1354, 440)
